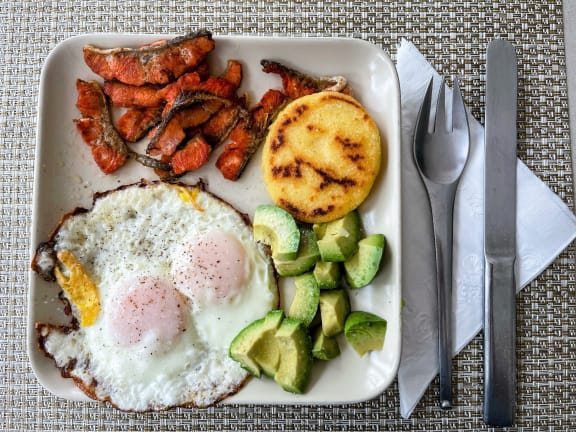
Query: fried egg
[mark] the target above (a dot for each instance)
(159, 278)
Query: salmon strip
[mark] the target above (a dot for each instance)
(105, 156)
(194, 155)
(267, 108)
(297, 84)
(154, 64)
(167, 139)
(199, 114)
(218, 87)
(91, 102)
(187, 81)
(125, 95)
(219, 126)
(135, 122)
(248, 134)
(109, 151)
(233, 73)
(232, 160)
(215, 86)
(224, 86)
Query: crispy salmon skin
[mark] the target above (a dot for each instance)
(297, 84)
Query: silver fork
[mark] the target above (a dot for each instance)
(440, 154)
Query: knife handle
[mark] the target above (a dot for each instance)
(499, 342)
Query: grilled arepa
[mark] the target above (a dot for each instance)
(321, 156)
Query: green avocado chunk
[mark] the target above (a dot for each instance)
(306, 298)
(266, 352)
(334, 308)
(324, 347)
(365, 331)
(361, 269)
(277, 228)
(307, 256)
(296, 361)
(338, 240)
(327, 274)
(256, 348)
(243, 343)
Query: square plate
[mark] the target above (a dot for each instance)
(66, 177)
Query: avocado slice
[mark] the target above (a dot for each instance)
(277, 228)
(361, 269)
(306, 298)
(243, 343)
(307, 256)
(296, 361)
(324, 347)
(265, 351)
(339, 239)
(327, 274)
(365, 331)
(255, 347)
(334, 308)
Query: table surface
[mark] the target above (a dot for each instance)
(453, 37)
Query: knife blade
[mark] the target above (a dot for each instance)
(500, 234)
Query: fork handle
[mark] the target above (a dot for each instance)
(442, 205)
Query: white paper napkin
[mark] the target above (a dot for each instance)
(545, 226)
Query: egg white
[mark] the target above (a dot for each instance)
(140, 230)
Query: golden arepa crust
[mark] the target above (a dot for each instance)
(321, 156)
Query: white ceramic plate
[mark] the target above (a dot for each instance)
(66, 177)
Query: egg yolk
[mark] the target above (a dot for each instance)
(146, 311)
(81, 291)
(190, 196)
(211, 268)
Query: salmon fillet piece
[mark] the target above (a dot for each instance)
(199, 114)
(194, 154)
(167, 138)
(233, 73)
(215, 86)
(219, 126)
(108, 149)
(247, 135)
(232, 160)
(297, 84)
(153, 64)
(136, 122)
(125, 95)
(188, 81)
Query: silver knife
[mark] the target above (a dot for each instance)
(500, 235)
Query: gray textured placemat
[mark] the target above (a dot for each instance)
(453, 36)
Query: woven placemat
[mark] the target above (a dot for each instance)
(453, 36)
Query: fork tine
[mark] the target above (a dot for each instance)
(459, 118)
(440, 120)
(423, 120)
